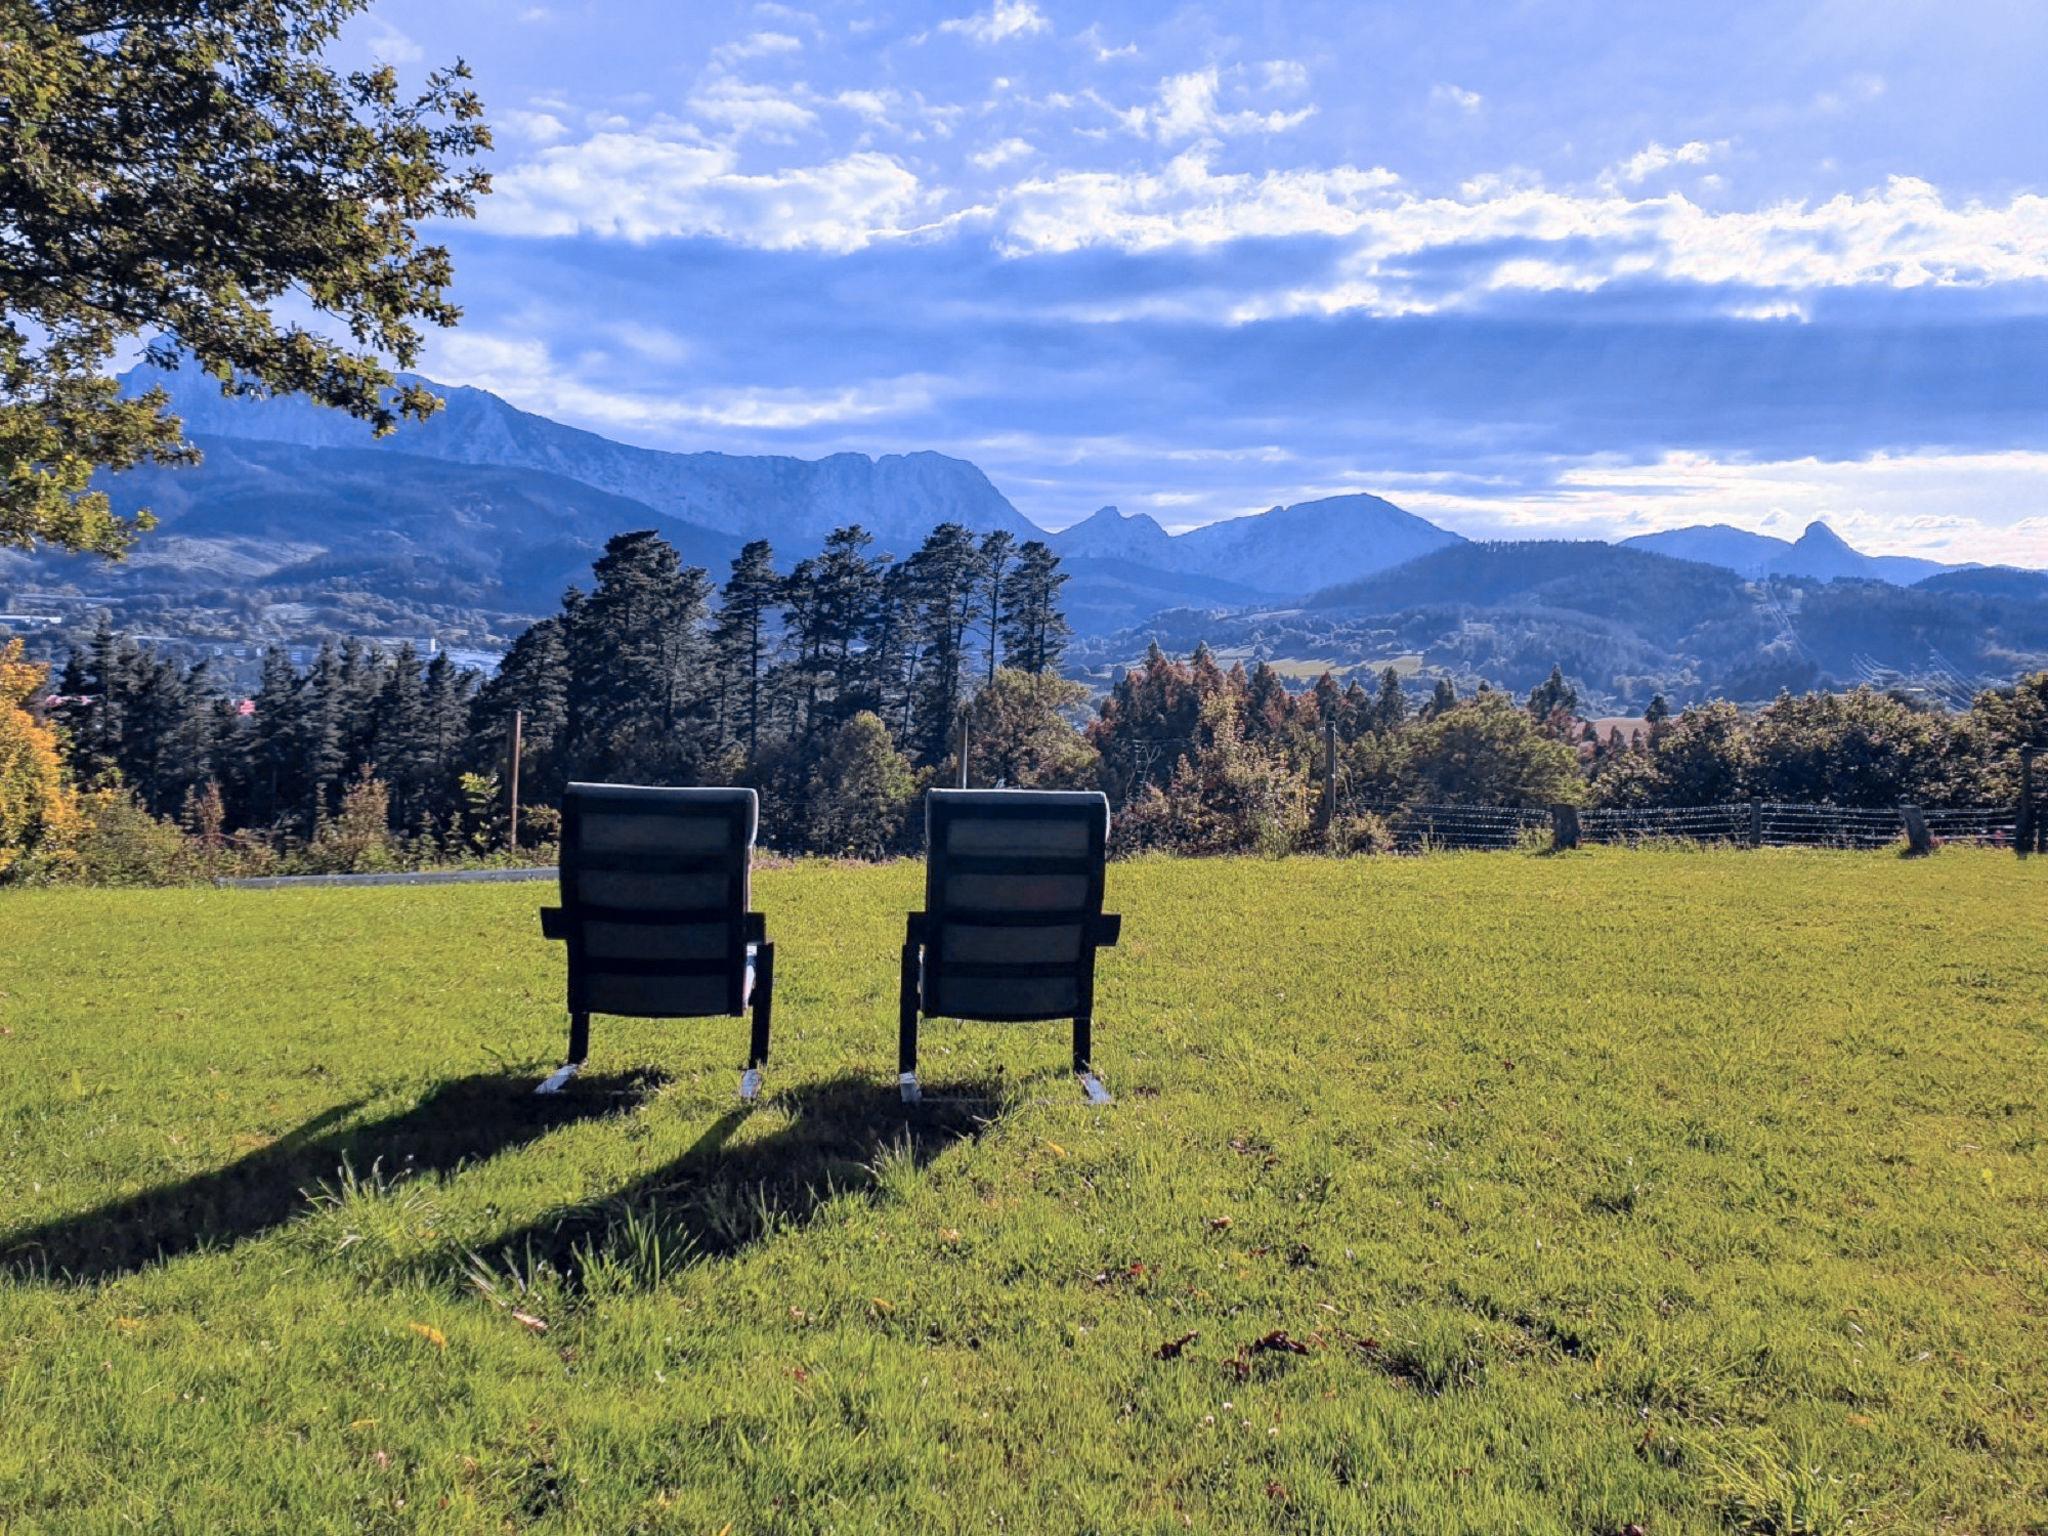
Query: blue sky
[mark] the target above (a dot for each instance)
(1536, 266)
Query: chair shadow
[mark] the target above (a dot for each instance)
(461, 1121)
(844, 1136)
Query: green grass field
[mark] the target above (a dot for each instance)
(1699, 1192)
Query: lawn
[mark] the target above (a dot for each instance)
(1487, 1193)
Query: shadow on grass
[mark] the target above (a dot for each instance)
(462, 1121)
(847, 1135)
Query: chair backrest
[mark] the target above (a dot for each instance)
(1013, 883)
(655, 888)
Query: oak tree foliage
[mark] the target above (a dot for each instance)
(194, 176)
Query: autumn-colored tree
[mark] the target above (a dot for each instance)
(1229, 796)
(861, 792)
(1023, 736)
(38, 813)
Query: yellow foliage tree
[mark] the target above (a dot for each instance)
(38, 812)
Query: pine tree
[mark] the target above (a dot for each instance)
(444, 706)
(740, 644)
(1443, 698)
(998, 557)
(847, 589)
(275, 772)
(947, 588)
(99, 725)
(1553, 701)
(1034, 630)
(403, 755)
(532, 679)
(1269, 707)
(1390, 708)
(638, 665)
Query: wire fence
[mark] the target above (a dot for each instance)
(1747, 824)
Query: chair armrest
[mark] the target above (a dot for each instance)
(1105, 928)
(554, 923)
(757, 928)
(914, 929)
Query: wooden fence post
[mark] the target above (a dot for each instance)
(963, 746)
(1756, 823)
(1564, 826)
(2025, 834)
(518, 747)
(1329, 806)
(1919, 841)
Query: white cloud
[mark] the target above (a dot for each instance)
(524, 371)
(756, 46)
(1185, 203)
(1186, 108)
(1654, 158)
(1445, 94)
(745, 107)
(1104, 52)
(1287, 76)
(540, 127)
(911, 116)
(1879, 504)
(640, 186)
(1000, 22)
(872, 105)
(391, 46)
(1903, 235)
(1002, 154)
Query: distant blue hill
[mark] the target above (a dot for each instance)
(1819, 553)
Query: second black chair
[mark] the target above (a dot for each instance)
(1013, 917)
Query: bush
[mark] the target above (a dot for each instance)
(120, 843)
(860, 792)
(357, 840)
(1228, 797)
(1360, 832)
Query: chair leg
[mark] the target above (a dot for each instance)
(906, 1028)
(579, 1052)
(764, 1015)
(1084, 1067)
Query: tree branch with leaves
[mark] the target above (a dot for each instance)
(193, 176)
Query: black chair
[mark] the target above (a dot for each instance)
(1013, 917)
(655, 886)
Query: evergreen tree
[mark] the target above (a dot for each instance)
(444, 729)
(1443, 698)
(1390, 708)
(533, 679)
(847, 591)
(946, 592)
(1553, 703)
(740, 645)
(998, 557)
(638, 668)
(1269, 707)
(1034, 630)
(275, 773)
(99, 724)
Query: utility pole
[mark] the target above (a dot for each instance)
(2024, 834)
(518, 745)
(1329, 773)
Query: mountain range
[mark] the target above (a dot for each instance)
(1819, 553)
(466, 526)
